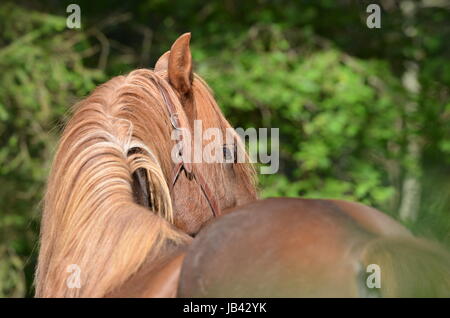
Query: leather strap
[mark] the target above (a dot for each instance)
(209, 195)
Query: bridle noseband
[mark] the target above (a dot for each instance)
(187, 167)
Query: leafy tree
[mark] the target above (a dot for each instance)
(360, 111)
(41, 74)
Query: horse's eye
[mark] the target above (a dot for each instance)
(229, 153)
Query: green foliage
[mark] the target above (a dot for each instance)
(12, 277)
(41, 75)
(333, 87)
(329, 107)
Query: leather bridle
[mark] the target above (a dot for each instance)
(187, 167)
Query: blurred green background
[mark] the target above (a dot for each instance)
(363, 113)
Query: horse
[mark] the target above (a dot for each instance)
(116, 201)
(137, 224)
(286, 247)
(293, 247)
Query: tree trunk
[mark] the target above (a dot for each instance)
(411, 187)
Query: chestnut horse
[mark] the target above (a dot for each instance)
(116, 202)
(297, 248)
(124, 213)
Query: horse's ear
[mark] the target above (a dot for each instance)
(163, 62)
(180, 64)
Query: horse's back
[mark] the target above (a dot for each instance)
(283, 247)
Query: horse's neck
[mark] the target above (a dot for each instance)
(157, 277)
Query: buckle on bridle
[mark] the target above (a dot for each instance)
(174, 120)
(189, 174)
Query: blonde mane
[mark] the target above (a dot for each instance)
(90, 218)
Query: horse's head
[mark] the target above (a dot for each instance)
(114, 158)
(200, 190)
